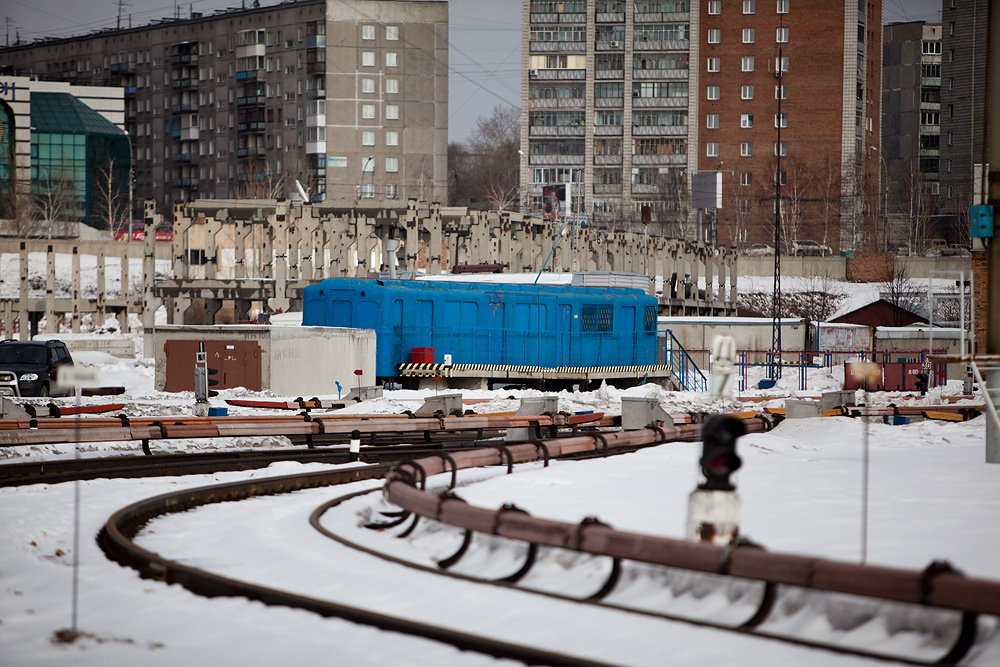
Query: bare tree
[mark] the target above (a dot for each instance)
(494, 143)
(17, 204)
(55, 200)
(112, 202)
(899, 289)
(829, 202)
(796, 193)
(297, 168)
(261, 181)
(919, 206)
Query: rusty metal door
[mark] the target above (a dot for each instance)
(238, 363)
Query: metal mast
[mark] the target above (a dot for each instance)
(775, 368)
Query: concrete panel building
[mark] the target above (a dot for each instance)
(911, 134)
(349, 97)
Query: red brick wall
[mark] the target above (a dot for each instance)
(979, 263)
(870, 267)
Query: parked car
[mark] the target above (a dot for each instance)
(760, 250)
(955, 250)
(935, 247)
(901, 249)
(807, 247)
(35, 363)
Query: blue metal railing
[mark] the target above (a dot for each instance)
(670, 351)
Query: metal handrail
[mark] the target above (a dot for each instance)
(682, 365)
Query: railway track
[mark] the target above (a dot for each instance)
(406, 488)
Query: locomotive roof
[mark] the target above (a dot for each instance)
(493, 288)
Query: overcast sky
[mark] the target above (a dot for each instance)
(484, 60)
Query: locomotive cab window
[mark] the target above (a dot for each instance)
(596, 317)
(650, 319)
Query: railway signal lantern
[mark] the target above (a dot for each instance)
(718, 455)
(922, 383)
(714, 508)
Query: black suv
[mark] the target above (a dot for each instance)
(35, 363)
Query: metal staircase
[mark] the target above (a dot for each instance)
(685, 372)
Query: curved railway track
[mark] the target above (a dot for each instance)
(406, 487)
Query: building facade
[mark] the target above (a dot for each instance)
(623, 101)
(349, 98)
(605, 108)
(963, 111)
(64, 155)
(789, 113)
(911, 134)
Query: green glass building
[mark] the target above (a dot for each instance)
(80, 163)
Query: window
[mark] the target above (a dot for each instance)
(714, 7)
(368, 165)
(951, 142)
(746, 92)
(780, 204)
(781, 120)
(746, 64)
(746, 148)
(931, 48)
(781, 177)
(781, 35)
(781, 148)
(781, 92)
(392, 86)
(746, 120)
(712, 149)
(368, 59)
(931, 70)
(368, 111)
(714, 36)
(781, 64)
(392, 32)
(783, 6)
(713, 92)
(748, 34)
(713, 64)
(746, 206)
(712, 121)
(367, 32)
(367, 138)
(392, 164)
(930, 118)
(748, 6)
(745, 178)
(368, 191)
(392, 191)
(367, 85)
(391, 112)
(392, 59)
(392, 138)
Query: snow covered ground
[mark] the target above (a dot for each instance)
(931, 497)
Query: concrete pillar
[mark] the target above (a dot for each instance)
(51, 322)
(76, 290)
(23, 318)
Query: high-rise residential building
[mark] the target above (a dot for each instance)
(349, 97)
(910, 154)
(963, 110)
(625, 100)
(789, 113)
(605, 107)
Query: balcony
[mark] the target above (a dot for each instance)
(607, 159)
(607, 188)
(122, 68)
(550, 47)
(609, 102)
(659, 131)
(608, 131)
(557, 159)
(250, 75)
(610, 17)
(249, 152)
(253, 126)
(256, 100)
(659, 102)
(184, 59)
(316, 68)
(182, 158)
(661, 45)
(557, 74)
(557, 131)
(184, 83)
(185, 182)
(316, 94)
(316, 42)
(614, 74)
(559, 103)
(189, 134)
(663, 17)
(669, 158)
(659, 74)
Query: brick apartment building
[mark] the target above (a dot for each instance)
(625, 100)
(819, 62)
(350, 97)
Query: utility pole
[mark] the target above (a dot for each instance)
(992, 158)
(775, 368)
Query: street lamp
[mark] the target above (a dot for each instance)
(364, 170)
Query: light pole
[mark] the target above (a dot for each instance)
(520, 192)
(883, 197)
(364, 170)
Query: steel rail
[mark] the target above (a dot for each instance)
(748, 629)
(937, 586)
(116, 539)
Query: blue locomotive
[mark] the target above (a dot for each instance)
(489, 324)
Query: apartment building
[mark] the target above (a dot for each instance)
(963, 111)
(789, 113)
(605, 108)
(348, 97)
(623, 101)
(911, 134)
